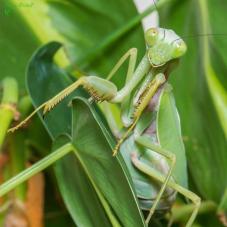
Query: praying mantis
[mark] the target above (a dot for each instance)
(143, 99)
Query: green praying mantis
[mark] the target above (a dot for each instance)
(158, 169)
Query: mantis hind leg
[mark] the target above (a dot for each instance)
(146, 142)
(159, 177)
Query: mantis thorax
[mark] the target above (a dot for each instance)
(163, 45)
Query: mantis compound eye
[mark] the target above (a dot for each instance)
(179, 48)
(151, 36)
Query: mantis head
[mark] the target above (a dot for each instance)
(163, 46)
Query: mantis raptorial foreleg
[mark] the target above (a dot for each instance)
(144, 100)
(101, 89)
(145, 141)
(159, 177)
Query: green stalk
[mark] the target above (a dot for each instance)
(34, 169)
(19, 150)
(9, 98)
(184, 211)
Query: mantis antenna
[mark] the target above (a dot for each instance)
(200, 35)
(193, 35)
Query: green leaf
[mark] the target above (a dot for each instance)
(77, 190)
(93, 145)
(94, 151)
(203, 133)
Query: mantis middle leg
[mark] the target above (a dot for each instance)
(146, 142)
(159, 177)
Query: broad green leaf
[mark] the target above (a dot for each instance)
(79, 195)
(203, 134)
(94, 150)
(88, 128)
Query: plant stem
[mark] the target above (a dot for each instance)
(9, 98)
(34, 169)
(182, 212)
(18, 149)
